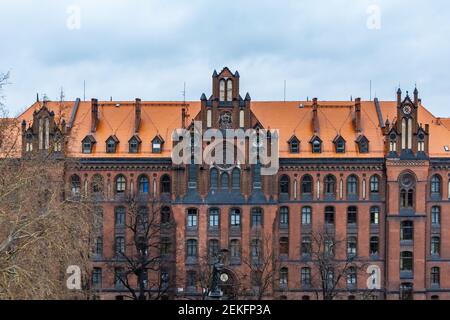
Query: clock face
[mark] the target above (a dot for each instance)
(406, 109)
(224, 277)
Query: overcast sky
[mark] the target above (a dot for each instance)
(147, 49)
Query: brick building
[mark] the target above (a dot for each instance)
(375, 173)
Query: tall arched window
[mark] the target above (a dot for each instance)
(213, 219)
(191, 248)
(374, 245)
(222, 90)
(75, 185)
(235, 249)
(435, 276)
(284, 276)
(406, 261)
(121, 184)
(352, 215)
(213, 247)
(352, 185)
(225, 181)
(330, 185)
(236, 179)
(403, 133)
(435, 245)
(436, 215)
(329, 215)
(374, 215)
(306, 216)
(235, 218)
(407, 191)
(284, 217)
(209, 118)
(257, 217)
(119, 217)
(214, 178)
(230, 90)
(374, 184)
(352, 245)
(284, 185)
(436, 184)
(165, 184)
(241, 119)
(307, 184)
(143, 184)
(407, 230)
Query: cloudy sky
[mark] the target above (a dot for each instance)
(148, 49)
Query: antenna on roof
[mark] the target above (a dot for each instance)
(370, 89)
(61, 95)
(84, 90)
(284, 90)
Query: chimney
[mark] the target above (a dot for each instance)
(427, 128)
(315, 117)
(399, 97)
(137, 117)
(183, 118)
(358, 115)
(94, 115)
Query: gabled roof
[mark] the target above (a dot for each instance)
(337, 138)
(159, 138)
(114, 138)
(314, 138)
(293, 138)
(90, 138)
(135, 137)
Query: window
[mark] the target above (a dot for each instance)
(165, 248)
(307, 184)
(98, 246)
(374, 215)
(294, 145)
(230, 90)
(191, 248)
(340, 145)
(191, 279)
(87, 146)
(214, 219)
(435, 215)
(329, 215)
(214, 178)
(352, 245)
(363, 144)
(157, 145)
(435, 276)
(284, 246)
(284, 276)
(330, 185)
(406, 261)
(225, 181)
(351, 276)
(235, 218)
(436, 184)
(111, 146)
(316, 146)
(165, 184)
(120, 184)
(257, 217)
(97, 183)
(133, 144)
(255, 248)
(222, 90)
(406, 291)
(352, 215)
(328, 245)
(209, 118)
(352, 185)
(305, 276)
(435, 246)
(374, 245)
(75, 182)
(306, 216)
(235, 249)
(120, 246)
(236, 179)
(213, 247)
(407, 182)
(284, 217)
(192, 218)
(407, 230)
(374, 184)
(97, 278)
(284, 185)
(119, 277)
(119, 213)
(306, 246)
(165, 215)
(143, 184)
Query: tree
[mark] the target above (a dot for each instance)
(145, 262)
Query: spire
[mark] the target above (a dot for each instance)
(399, 96)
(416, 96)
(247, 97)
(236, 74)
(215, 75)
(203, 97)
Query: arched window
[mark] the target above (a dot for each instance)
(214, 178)
(230, 90)
(209, 118)
(284, 185)
(235, 218)
(407, 230)
(374, 245)
(192, 218)
(436, 184)
(165, 215)
(352, 245)
(306, 216)
(406, 291)
(329, 215)
(307, 184)
(436, 215)
(236, 179)
(75, 184)
(97, 183)
(225, 181)
(241, 119)
(213, 219)
(255, 248)
(257, 217)
(143, 184)
(235, 249)
(407, 191)
(121, 184)
(374, 215)
(191, 248)
(165, 184)
(352, 185)
(352, 215)
(351, 278)
(284, 276)
(374, 184)
(284, 217)
(406, 261)
(222, 90)
(330, 185)
(435, 276)
(284, 245)
(305, 277)
(213, 247)
(435, 245)
(306, 247)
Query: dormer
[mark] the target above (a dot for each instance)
(134, 144)
(111, 144)
(363, 144)
(88, 144)
(157, 144)
(339, 144)
(316, 144)
(294, 144)
(422, 140)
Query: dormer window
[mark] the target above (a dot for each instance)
(87, 144)
(392, 142)
(363, 144)
(134, 143)
(294, 145)
(316, 144)
(421, 142)
(111, 144)
(157, 144)
(339, 143)
(226, 90)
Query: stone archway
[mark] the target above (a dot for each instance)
(228, 284)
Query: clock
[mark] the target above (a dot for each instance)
(224, 277)
(406, 109)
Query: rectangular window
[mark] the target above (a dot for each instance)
(97, 277)
(120, 246)
(192, 218)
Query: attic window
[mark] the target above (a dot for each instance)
(111, 145)
(294, 145)
(157, 143)
(134, 144)
(87, 144)
(316, 145)
(446, 148)
(363, 144)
